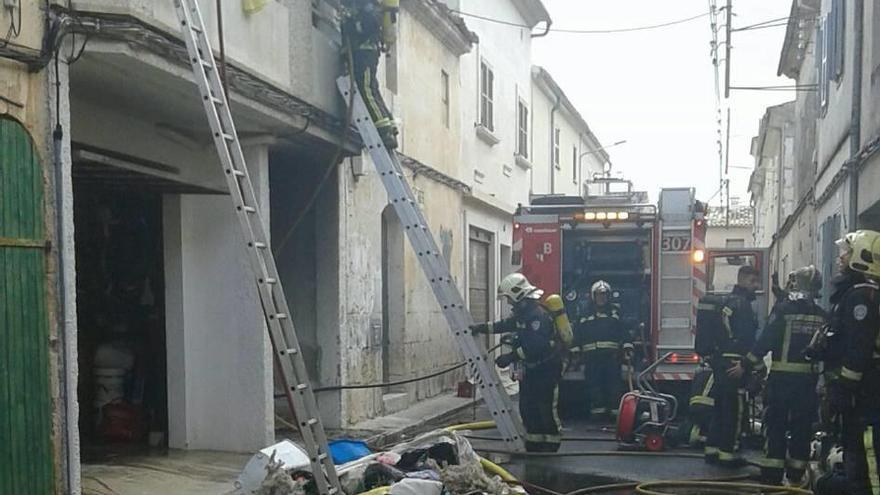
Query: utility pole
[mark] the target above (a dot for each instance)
(727, 157)
(727, 33)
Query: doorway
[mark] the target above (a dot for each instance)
(120, 316)
(393, 297)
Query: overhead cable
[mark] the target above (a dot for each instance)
(583, 31)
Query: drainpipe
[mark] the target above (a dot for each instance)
(546, 30)
(855, 135)
(553, 144)
(61, 283)
(580, 165)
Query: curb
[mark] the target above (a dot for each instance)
(386, 438)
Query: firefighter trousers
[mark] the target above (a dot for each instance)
(726, 424)
(791, 409)
(538, 403)
(365, 64)
(861, 442)
(602, 379)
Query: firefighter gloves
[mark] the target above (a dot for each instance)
(505, 360)
(479, 328)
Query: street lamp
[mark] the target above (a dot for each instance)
(597, 150)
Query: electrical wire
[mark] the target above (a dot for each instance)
(762, 23)
(582, 31)
(774, 88)
(14, 30)
(333, 388)
(780, 24)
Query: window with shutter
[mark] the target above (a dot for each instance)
(822, 63)
(836, 37)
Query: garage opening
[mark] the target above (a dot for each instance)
(120, 286)
(120, 314)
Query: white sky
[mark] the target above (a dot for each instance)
(655, 88)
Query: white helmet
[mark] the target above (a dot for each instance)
(600, 286)
(516, 287)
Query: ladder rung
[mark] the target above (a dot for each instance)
(301, 386)
(322, 457)
(260, 245)
(312, 422)
(206, 64)
(289, 351)
(196, 29)
(270, 280)
(249, 209)
(228, 137)
(281, 316)
(237, 173)
(216, 101)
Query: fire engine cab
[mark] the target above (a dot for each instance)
(654, 257)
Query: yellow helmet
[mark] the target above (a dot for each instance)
(865, 252)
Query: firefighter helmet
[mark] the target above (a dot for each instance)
(865, 246)
(600, 287)
(517, 287)
(806, 280)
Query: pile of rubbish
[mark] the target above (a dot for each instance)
(436, 463)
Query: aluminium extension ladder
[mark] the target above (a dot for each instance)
(436, 269)
(297, 387)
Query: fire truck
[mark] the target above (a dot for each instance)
(653, 255)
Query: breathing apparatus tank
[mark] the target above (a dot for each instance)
(553, 303)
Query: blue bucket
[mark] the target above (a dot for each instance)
(346, 450)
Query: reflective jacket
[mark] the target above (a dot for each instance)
(856, 318)
(741, 324)
(788, 333)
(535, 342)
(600, 329)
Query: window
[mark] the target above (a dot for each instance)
(444, 96)
(487, 96)
(556, 147)
(522, 134)
(574, 164)
(822, 64)
(838, 37)
(831, 56)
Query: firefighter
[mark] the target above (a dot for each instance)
(791, 386)
(729, 367)
(536, 346)
(602, 341)
(854, 358)
(368, 30)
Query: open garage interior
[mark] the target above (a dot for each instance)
(120, 308)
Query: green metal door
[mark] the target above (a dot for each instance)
(26, 458)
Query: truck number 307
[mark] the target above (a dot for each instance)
(676, 243)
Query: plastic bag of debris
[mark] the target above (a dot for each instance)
(433, 463)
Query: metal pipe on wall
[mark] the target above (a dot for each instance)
(855, 127)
